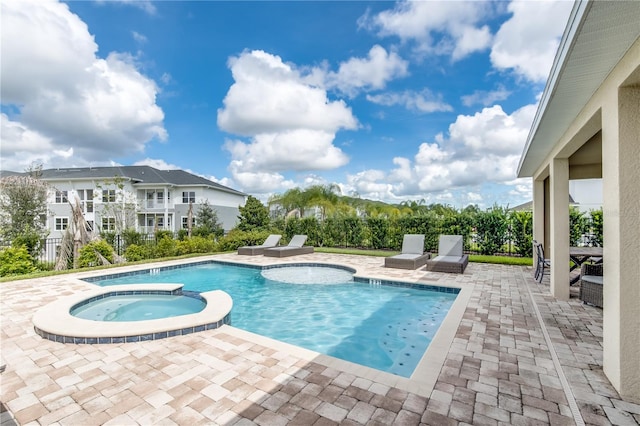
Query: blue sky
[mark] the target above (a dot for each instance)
(402, 100)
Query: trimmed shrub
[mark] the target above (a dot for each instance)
(238, 238)
(88, 256)
(195, 245)
(166, 247)
(161, 233)
(15, 261)
(136, 252)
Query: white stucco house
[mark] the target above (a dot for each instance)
(139, 197)
(588, 126)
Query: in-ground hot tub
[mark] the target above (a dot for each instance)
(138, 307)
(205, 311)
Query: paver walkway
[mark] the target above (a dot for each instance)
(499, 368)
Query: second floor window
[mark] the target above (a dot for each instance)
(188, 197)
(86, 199)
(108, 223)
(108, 195)
(61, 196)
(62, 223)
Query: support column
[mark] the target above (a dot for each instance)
(621, 211)
(166, 209)
(559, 188)
(538, 209)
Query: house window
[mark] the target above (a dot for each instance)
(160, 197)
(62, 223)
(89, 226)
(185, 222)
(62, 197)
(86, 200)
(188, 197)
(108, 223)
(108, 195)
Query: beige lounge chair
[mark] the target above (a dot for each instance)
(412, 255)
(271, 241)
(295, 247)
(450, 256)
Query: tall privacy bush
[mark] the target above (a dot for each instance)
(597, 224)
(491, 230)
(333, 234)
(354, 230)
(578, 226)
(378, 232)
(522, 232)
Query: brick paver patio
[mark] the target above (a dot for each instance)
(499, 369)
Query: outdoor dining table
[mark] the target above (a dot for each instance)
(579, 255)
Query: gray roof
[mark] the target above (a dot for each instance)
(139, 175)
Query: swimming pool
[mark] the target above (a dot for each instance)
(383, 325)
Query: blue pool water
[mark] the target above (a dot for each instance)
(138, 307)
(379, 326)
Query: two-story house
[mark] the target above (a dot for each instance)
(139, 197)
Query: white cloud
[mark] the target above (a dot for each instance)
(257, 181)
(139, 38)
(491, 131)
(145, 5)
(297, 150)
(444, 28)
(486, 97)
(63, 92)
(291, 124)
(527, 42)
(270, 96)
(423, 101)
(372, 72)
(479, 149)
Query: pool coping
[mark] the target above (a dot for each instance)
(424, 377)
(55, 322)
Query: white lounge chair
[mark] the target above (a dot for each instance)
(271, 241)
(412, 255)
(295, 247)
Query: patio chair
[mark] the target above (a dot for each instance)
(591, 284)
(541, 262)
(271, 241)
(451, 257)
(412, 255)
(295, 247)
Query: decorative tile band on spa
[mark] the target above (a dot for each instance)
(128, 339)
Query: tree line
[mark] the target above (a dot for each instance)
(328, 218)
